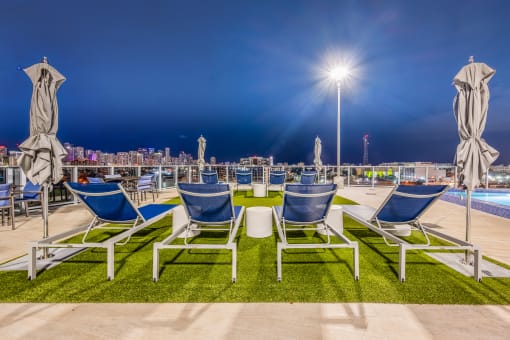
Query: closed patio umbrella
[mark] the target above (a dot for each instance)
(317, 154)
(474, 156)
(201, 152)
(42, 153)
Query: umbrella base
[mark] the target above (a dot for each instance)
(339, 181)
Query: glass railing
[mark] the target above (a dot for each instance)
(166, 177)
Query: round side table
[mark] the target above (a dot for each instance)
(259, 190)
(259, 222)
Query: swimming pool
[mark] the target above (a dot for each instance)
(496, 202)
(502, 197)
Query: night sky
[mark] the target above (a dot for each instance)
(251, 76)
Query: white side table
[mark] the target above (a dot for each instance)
(179, 218)
(335, 219)
(259, 222)
(259, 190)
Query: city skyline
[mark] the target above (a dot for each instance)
(250, 76)
(150, 156)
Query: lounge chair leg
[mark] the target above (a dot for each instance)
(155, 262)
(477, 265)
(32, 264)
(12, 215)
(355, 251)
(279, 262)
(234, 262)
(110, 259)
(402, 263)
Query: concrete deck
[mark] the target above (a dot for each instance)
(260, 320)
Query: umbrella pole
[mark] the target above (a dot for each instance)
(468, 225)
(45, 217)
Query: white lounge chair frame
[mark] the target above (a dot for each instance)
(367, 216)
(282, 228)
(192, 226)
(51, 242)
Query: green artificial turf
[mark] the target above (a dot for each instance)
(205, 275)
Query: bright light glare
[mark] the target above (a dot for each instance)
(339, 73)
(338, 67)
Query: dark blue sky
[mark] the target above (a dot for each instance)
(249, 75)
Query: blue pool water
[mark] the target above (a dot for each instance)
(491, 197)
(496, 202)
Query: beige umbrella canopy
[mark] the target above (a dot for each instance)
(317, 154)
(41, 160)
(474, 156)
(42, 152)
(201, 152)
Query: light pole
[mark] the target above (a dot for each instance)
(338, 74)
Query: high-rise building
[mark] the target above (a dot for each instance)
(107, 158)
(135, 158)
(157, 157)
(79, 153)
(254, 160)
(13, 157)
(122, 158)
(144, 152)
(167, 155)
(91, 155)
(70, 152)
(365, 149)
(3, 154)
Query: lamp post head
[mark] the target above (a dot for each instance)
(339, 73)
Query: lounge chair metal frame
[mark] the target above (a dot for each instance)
(7, 203)
(143, 185)
(197, 224)
(31, 193)
(382, 227)
(153, 213)
(315, 224)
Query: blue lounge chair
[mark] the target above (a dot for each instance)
(305, 207)
(308, 177)
(109, 204)
(209, 207)
(276, 181)
(209, 177)
(31, 193)
(243, 179)
(7, 203)
(404, 206)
